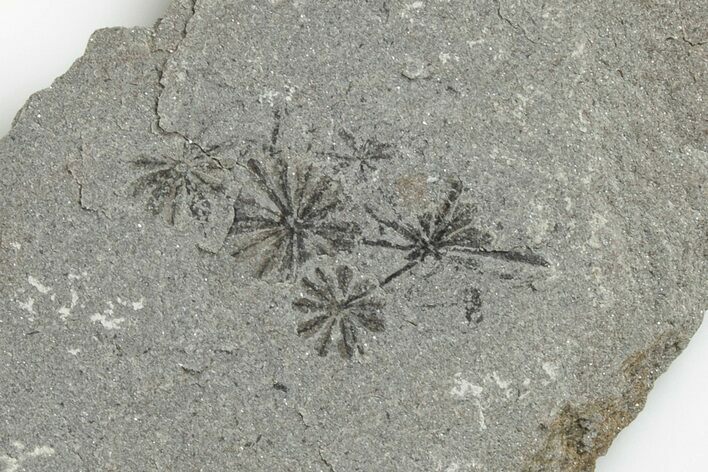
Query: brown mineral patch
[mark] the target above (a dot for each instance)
(581, 433)
(412, 189)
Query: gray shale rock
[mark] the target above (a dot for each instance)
(354, 236)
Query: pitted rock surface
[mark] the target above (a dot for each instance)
(353, 236)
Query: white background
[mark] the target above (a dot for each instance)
(39, 40)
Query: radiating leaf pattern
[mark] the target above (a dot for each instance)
(362, 155)
(286, 215)
(344, 304)
(188, 181)
(448, 228)
(288, 211)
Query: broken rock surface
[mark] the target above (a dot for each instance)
(341, 236)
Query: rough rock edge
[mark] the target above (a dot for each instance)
(164, 37)
(167, 34)
(580, 434)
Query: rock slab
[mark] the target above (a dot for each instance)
(354, 236)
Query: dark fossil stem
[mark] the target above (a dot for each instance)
(399, 272)
(513, 256)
